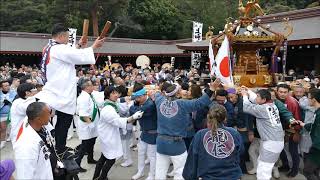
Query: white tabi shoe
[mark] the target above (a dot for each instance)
(127, 163)
(137, 176)
(275, 172)
(149, 178)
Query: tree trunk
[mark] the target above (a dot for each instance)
(94, 17)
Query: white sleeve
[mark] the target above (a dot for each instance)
(253, 109)
(109, 115)
(72, 55)
(82, 103)
(252, 96)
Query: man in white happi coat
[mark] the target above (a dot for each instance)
(26, 92)
(109, 134)
(32, 149)
(89, 114)
(59, 75)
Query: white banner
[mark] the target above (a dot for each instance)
(197, 32)
(195, 60)
(72, 37)
(172, 61)
(212, 62)
(196, 37)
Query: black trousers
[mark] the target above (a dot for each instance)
(102, 168)
(293, 149)
(244, 157)
(86, 146)
(61, 130)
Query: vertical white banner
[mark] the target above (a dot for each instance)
(212, 63)
(72, 37)
(197, 32)
(195, 60)
(172, 61)
(196, 37)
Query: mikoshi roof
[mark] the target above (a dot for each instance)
(305, 24)
(33, 43)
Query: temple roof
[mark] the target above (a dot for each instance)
(33, 43)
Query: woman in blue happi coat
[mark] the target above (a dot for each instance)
(214, 152)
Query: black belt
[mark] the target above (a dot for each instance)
(172, 138)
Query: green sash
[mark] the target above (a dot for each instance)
(113, 104)
(95, 110)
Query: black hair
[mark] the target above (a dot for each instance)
(58, 28)
(39, 86)
(23, 88)
(137, 87)
(221, 92)
(315, 93)
(185, 86)
(285, 86)
(164, 86)
(34, 110)
(24, 79)
(108, 90)
(122, 90)
(4, 81)
(264, 94)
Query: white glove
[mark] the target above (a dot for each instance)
(137, 115)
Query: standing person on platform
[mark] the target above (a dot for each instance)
(173, 120)
(89, 115)
(215, 152)
(148, 124)
(109, 134)
(312, 160)
(59, 76)
(269, 127)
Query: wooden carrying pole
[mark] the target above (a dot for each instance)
(105, 30)
(85, 29)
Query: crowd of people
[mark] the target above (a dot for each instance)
(184, 117)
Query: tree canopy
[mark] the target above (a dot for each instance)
(149, 19)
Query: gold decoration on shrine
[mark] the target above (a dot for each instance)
(288, 27)
(252, 8)
(209, 34)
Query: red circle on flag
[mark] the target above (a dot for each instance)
(224, 67)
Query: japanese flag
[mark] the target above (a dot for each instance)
(211, 59)
(223, 68)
